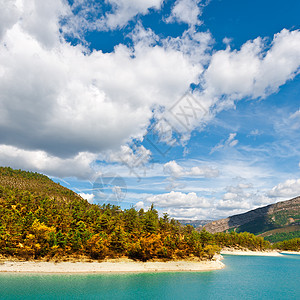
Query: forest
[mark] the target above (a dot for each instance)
(40, 219)
(289, 245)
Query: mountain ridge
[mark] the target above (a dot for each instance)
(261, 219)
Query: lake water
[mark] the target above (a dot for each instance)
(245, 277)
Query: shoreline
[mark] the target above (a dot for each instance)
(229, 251)
(125, 265)
(118, 266)
(290, 252)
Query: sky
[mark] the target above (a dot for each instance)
(192, 105)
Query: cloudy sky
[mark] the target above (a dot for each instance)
(192, 105)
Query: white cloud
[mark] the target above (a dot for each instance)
(140, 205)
(233, 205)
(187, 213)
(178, 199)
(73, 101)
(229, 196)
(206, 172)
(125, 10)
(288, 189)
(40, 19)
(252, 71)
(79, 165)
(197, 45)
(130, 155)
(230, 142)
(9, 15)
(186, 11)
(105, 15)
(88, 197)
(238, 188)
(295, 120)
(64, 104)
(174, 170)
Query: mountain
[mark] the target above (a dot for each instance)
(260, 220)
(194, 223)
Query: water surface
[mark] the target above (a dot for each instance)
(245, 277)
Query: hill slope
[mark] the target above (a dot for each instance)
(257, 221)
(41, 219)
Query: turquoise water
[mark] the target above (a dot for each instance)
(245, 277)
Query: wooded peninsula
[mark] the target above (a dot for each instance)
(41, 219)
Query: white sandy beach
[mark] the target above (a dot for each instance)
(118, 266)
(249, 252)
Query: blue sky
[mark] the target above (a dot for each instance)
(191, 105)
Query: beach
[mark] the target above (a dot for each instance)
(124, 265)
(111, 266)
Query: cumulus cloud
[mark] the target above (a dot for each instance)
(232, 205)
(188, 213)
(178, 199)
(105, 15)
(135, 158)
(238, 188)
(40, 19)
(88, 197)
(36, 160)
(288, 189)
(174, 170)
(252, 71)
(9, 15)
(141, 205)
(206, 172)
(58, 100)
(69, 101)
(125, 10)
(186, 11)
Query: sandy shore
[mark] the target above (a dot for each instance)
(290, 252)
(249, 252)
(109, 266)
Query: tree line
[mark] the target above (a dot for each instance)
(41, 219)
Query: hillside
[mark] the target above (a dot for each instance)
(282, 234)
(40, 219)
(260, 220)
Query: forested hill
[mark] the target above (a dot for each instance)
(34, 183)
(263, 219)
(40, 219)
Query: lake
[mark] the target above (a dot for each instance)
(245, 277)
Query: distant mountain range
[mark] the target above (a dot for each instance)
(194, 223)
(285, 214)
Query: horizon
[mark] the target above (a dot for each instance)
(190, 105)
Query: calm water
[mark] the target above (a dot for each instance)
(243, 278)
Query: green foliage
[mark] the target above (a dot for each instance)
(243, 239)
(40, 218)
(291, 245)
(257, 226)
(283, 236)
